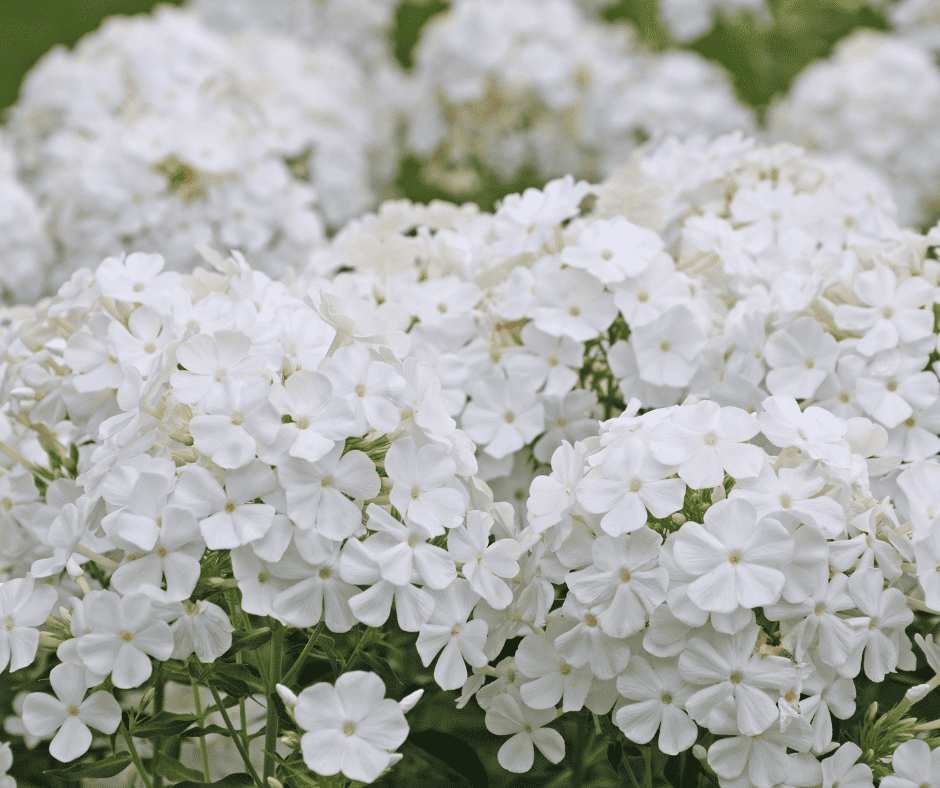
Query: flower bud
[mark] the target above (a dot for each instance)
(917, 693)
(275, 783)
(289, 698)
(699, 752)
(409, 701)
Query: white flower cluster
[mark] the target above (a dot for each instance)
(363, 27)
(722, 270)
(688, 20)
(24, 247)
(158, 134)
(163, 419)
(720, 570)
(508, 84)
(876, 97)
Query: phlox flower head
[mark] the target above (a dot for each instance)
(350, 727)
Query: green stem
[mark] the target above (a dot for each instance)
(236, 737)
(204, 750)
(158, 700)
(355, 655)
(299, 662)
(626, 762)
(135, 757)
(648, 761)
(270, 732)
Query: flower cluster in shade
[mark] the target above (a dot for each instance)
(251, 141)
(220, 413)
(513, 84)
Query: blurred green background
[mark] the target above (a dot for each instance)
(763, 58)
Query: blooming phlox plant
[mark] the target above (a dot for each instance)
(206, 470)
(255, 142)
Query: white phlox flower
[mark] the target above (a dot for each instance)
(227, 515)
(503, 415)
(506, 716)
(735, 681)
(486, 566)
(23, 607)
(450, 632)
(705, 442)
(632, 483)
(70, 713)
(552, 678)
(914, 764)
(124, 635)
(318, 493)
(349, 727)
(203, 629)
(420, 485)
(659, 694)
(734, 556)
(624, 582)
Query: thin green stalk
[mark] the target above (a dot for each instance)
(626, 762)
(299, 662)
(135, 757)
(270, 732)
(648, 761)
(203, 749)
(236, 737)
(158, 700)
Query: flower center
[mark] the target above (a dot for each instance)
(326, 481)
(510, 417)
(442, 308)
(150, 348)
(73, 711)
(262, 577)
(456, 630)
(162, 552)
(666, 698)
(887, 312)
(819, 609)
(665, 346)
(642, 296)
(574, 310)
(139, 287)
(415, 493)
(624, 575)
(909, 422)
(126, 636)
(635, 484)
(219, 374)
(710, 438)
(348, 728)
(7, 504)
(891, 385)
(809, 363)
(552, 360)
(302, 422)
(360, 390)
(229, 507)
(844, 397)
(8, 624)
(561, 423)
(591, 620)
(735, 678)
(607, 254)
(238, 418)
(734, 558)
(324, 573)
(786, 501)
(564, 669)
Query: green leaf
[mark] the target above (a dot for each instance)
(243, 673)
(173, 770)
(250, 641)
(231, 781)
(106, 767)
(162, 724)
(234, 688)
(198, 732)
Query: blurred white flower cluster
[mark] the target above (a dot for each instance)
(156, 133)
(877, 97)
(688, 20)
(24, 246)
(507, 84)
